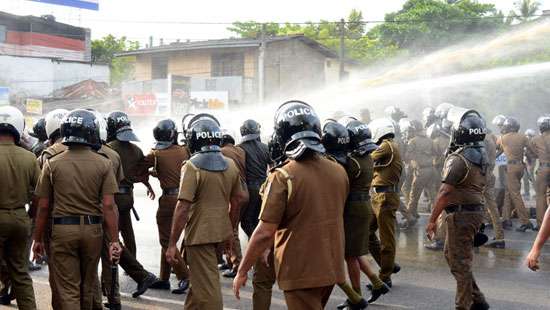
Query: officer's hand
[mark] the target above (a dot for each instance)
(172, 255)
(431, 229)
(151, 194)
(114, 252)
(37, 250)
(532, 260)
(238, 282)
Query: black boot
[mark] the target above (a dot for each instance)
(363, 304)
(496, 244)
(480, 306)
(396, 268)
(507, 225)
(437, 245)
(145, 285)
(377, 292)
(524, 227)
(183, 285)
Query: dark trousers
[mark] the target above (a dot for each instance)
(125, 202)
(250, 214)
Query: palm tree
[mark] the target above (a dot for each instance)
(526, 9)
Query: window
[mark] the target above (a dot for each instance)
(228, 64)
(159, 68)
(2, 33)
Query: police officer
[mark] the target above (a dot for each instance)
(530, 160)
(209, 184)
(385, 201)
(39, 132)
(166, 160)
(129, 263)
(302, 210)
(420, 152)
(461, 196)
(77, 233)
(500, 182)
(513, 144)
(119, 138)
(237, 154)
(540, 147)
(489, 192)
(257, 161)
(20, 175)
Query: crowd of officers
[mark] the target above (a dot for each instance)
(331, 190)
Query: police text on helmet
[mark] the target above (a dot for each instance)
(299, 111)
(477, 131)
(74, 119)
(209, 135)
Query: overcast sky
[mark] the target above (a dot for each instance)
(115, 16)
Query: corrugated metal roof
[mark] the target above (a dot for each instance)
(228, 43)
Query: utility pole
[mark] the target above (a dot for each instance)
(342, 48)
(261, 65)
(150, 41)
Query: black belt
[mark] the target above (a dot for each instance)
(125, 190)
(358, 196)
(385, 189)
(466, 208)
(515, 162)
(75, 220)
(174, 191)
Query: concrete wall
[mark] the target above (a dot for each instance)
(190, 63)
(143, 68)
(291, 68)
(41, 76)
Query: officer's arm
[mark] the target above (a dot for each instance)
(239, 198)
(110, 217)
(442, 201)
(381, 153)
(41, 218)
(181, 216)
(261, 240)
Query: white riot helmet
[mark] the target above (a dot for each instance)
(102, 126)
(12, 122)
(404, 124)
(54, 120)
(499, 120)
(530, 133)
(380, 128)
(442, 110)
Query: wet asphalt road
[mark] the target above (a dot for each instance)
(424, 282)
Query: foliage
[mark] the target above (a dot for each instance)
(526, 9)
(104, 50)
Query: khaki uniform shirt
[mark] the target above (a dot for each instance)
(540, 146)
(167, 165)
(51, 151)
(387, 164)
(77, 179)
(209, 193)
(420, 151)
(306, 199)
(238, 155)
(20, 173)
(467, 178)
(360, 173)
(130, 155)
(513, 145)
(115, 160)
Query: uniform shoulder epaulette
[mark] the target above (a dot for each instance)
(101, 153)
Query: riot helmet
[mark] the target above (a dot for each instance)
(442, 109)
(382, 128)
(102, 122)
(54, 119)
(416, 127)
(119, 127)
(428, 116)
(12, 122)
(336, 140)
(511, 124)
(297, 129)
(39, 130)
(228, 137)
(469, 130)
(345, 120)
(395, 113)
(360, 138)
(80, 127)
(250, 130)
(543, 123)
(204, 134)
(530, 133)
(165, 134)
(498, 120)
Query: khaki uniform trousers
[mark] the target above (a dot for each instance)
(491, 203)
(15, 228)
(75, 252)
(385, 205)
(541, 184)
(459, 252)
(406, 182)
(512, 198)
(308, 299)
(205, 292)
(125, 202)
(165, 213)
(422, 180)
(263, 280)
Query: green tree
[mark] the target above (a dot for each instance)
(423, 25)
(104, 50)
(526, 9)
